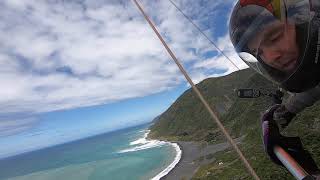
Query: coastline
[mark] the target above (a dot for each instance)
(193, 156)
(147, 143)
(190, 156)
(169, 168)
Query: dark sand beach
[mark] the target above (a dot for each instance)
(193, 156)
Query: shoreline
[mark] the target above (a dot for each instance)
(190, 157)
(176, 161)
(193, 156)
(147, 143)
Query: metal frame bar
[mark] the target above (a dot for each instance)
(292, 165)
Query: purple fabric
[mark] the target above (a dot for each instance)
(265, 130)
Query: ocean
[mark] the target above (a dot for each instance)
(119, 155)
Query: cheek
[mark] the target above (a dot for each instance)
(291, 39)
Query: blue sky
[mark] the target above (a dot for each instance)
(72, 69)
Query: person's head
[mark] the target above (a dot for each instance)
(276, 46)
(275, 38)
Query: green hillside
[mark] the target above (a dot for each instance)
(188, 120)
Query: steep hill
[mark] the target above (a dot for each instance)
(187, 119)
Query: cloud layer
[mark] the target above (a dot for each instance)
(58, 55)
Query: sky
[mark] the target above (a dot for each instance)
(73, 69)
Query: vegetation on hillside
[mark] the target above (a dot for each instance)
(187, 120)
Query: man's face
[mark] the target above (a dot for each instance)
(276, 45)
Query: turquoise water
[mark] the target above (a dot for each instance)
(95, 158)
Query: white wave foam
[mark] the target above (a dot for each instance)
(139, 141)
(172, 165)
(142, 140)
(144, 144)
(148, 145)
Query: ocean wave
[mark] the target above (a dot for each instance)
(142, 140)
(147, 144)
(144, 144)
(172, 165)
(139, 141)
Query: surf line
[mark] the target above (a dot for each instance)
(172, 165)
(205, 103)
(143, 144)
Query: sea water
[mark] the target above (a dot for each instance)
(122, 155)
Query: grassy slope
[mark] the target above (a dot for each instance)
(306, 125)
(186, 119)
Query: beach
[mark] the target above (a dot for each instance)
(193, 156)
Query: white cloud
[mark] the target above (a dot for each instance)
(220, 62)
(13, 126)
(62, 54)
